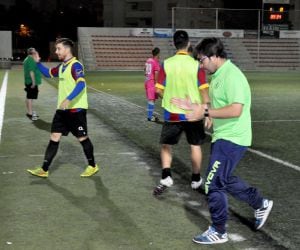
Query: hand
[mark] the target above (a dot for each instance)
(207, 122)
(185, 104)
(64, 105)
(197, 110)
(33, 85)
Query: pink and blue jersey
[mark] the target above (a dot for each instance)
(151, 67)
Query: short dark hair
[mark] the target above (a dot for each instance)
(211, 47)
(180, 39)
(155, 51)
(65, 41)
(30, 51)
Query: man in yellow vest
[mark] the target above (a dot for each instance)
(181, 75)
(72, 104)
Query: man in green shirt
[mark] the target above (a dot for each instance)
(32, 77)
(230, 97)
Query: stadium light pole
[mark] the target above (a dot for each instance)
(258, 37)
(217, 17)
(262, 11)
(173, 20)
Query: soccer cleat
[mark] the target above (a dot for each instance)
(89, 171)
(153, 118)
(29, 116)
(196, 184)
(210, 236)
(159, 189)
(261, 214)
(38, 172)
(164, 184)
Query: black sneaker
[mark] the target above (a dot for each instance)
(159, 189)
(163, 185)
(29, 116)
(153, 119)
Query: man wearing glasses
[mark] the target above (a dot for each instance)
(230, 97)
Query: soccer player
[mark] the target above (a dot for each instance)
(181, 75)
(32, 77)
(72, 104)
(230, 97)
(191, 50)
(151, 72)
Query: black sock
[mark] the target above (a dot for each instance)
(166, 172)
(50, 153)
(88, 151)
(195, 177)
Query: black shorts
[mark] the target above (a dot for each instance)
(171, 132)
(32, 93)
(65, 121)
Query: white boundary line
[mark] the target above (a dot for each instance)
(123, 100)
(285, 163)
(144, 108)
(2, 101)
(270, 121)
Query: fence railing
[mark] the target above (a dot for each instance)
(263, 22)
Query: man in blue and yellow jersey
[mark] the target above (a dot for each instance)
(72, 104)
(180, 76)
(230, 97)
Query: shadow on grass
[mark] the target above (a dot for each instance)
(43, 125)
(116, 229)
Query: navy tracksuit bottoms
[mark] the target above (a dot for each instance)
(220, 181)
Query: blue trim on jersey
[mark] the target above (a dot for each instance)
(166, 115)
(182, 117)
(171, 117)
(77, 70)
(76, 91)
(44, 70)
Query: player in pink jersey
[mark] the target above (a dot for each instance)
(152, 68)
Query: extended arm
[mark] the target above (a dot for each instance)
(198, 111)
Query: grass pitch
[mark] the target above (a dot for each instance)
(115, 209)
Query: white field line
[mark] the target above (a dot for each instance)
(285, 163)
(95, 153)
(123, 100)
(2, 101)
(270, 121)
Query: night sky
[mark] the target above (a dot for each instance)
(46, 25)
(242, 4)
